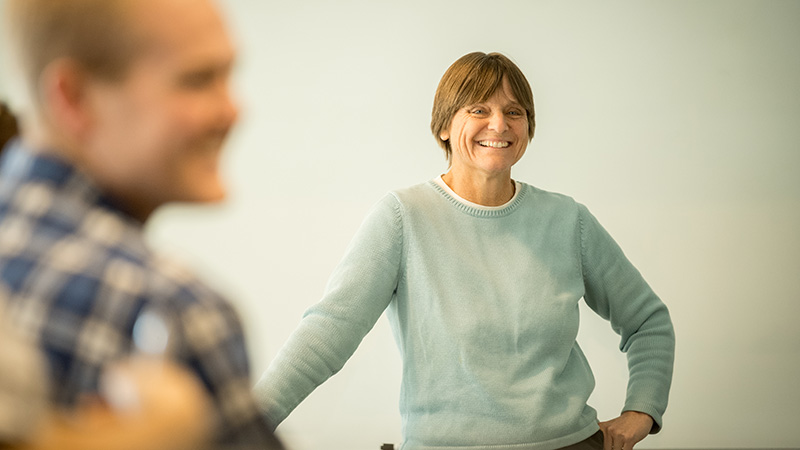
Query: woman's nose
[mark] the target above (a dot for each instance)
(497, 122)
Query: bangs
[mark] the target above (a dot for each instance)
(480, 84)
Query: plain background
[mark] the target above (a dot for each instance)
(677, 123)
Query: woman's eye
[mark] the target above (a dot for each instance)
(478, 111)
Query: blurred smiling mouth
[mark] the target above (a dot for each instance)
(494, 144)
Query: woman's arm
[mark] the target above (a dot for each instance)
(360, 288)
(618, 293)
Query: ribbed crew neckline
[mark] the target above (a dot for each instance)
(475, 209)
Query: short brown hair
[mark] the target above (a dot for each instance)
(97, 34)
(474, 78)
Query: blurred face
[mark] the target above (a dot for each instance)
(156, 135)
(489, 137)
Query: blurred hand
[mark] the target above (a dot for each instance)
(626, 430)
(167, 408)
(173, 406)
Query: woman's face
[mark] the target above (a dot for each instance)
(489, 137)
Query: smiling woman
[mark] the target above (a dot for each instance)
(481, 277)
(474, 78)
(489, 125)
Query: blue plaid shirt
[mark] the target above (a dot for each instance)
(77, 273)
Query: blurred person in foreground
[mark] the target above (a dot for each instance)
(481, 276)
(123, 106)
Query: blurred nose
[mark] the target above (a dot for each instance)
(497, 122)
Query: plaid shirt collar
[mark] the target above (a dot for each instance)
(20, 165)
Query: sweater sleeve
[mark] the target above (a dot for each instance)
(358, 292)
(618, 293)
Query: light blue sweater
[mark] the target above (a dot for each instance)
(484, 308)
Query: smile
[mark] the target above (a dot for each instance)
(494, 144)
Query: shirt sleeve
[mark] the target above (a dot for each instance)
(358, 292)
(214, 348)
(616, 290)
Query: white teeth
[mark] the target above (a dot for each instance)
(495, 144)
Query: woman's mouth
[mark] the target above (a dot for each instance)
(494, 144)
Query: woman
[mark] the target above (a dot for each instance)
(481, 277)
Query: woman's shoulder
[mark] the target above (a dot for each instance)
(401, 202)
(414, 194)
(561, 205)
(544, 197)
(416, 190)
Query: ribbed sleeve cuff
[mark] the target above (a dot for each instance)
(651, 411)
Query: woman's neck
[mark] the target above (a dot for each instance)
(483, 190)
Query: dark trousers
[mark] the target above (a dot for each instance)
(595, 442)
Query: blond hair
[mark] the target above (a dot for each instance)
(96, 34)
(474, 78)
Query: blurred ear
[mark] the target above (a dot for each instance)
(64, 91)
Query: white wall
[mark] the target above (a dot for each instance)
(677, 123)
